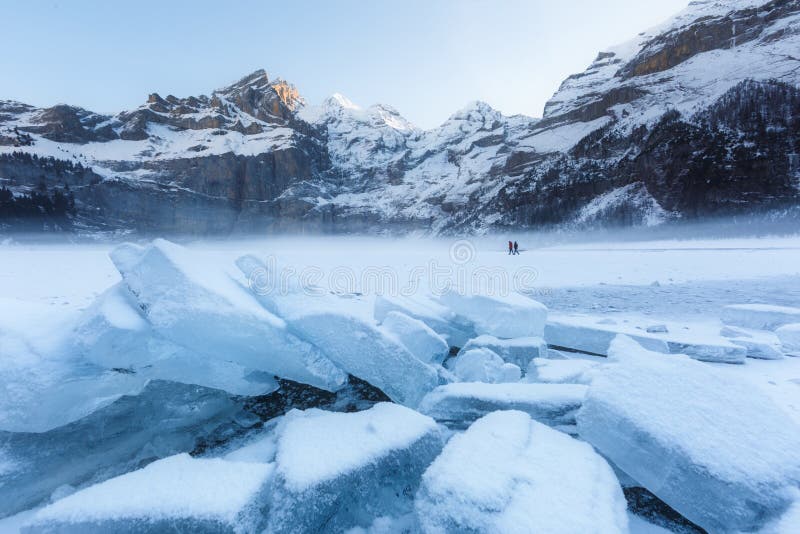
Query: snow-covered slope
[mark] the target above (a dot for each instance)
(694, 118)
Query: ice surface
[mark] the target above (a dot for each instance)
(206, 311)
(416, 336)
(459, 404)
(164, 419)
(430, 312)
(508, 316)
(337, 471)
(707, 443)
(176, 494)
(518, 351)
(483, 365)
(789, 336)
(508, 474)
(760, 316)
(351, 339)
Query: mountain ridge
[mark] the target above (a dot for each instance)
(628, 141)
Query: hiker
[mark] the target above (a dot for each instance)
(510, 248)
(516, 248)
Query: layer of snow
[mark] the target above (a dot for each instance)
(173, 490)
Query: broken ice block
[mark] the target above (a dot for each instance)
(416, 336)
(483, 365)
(519, 351)
(459, 404)
(789, 336)
(711, 446)
(508, 316)
(206, 311)
(336, 471)
(353, 341)
(176, 494)
(507, 473)
(759, 316)
(164, 419)
(443, 321)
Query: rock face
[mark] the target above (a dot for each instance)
(693, 119)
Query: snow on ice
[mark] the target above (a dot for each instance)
(176, 494)
(711, 446)
(577, 371)
(508, 473)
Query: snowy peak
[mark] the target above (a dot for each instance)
(338, 100)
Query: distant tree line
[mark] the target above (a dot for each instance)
(36, 208)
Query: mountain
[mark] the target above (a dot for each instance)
(696, 118)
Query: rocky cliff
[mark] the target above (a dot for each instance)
(695, 118)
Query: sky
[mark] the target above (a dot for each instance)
(426, 58)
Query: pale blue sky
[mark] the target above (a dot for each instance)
(425, 58)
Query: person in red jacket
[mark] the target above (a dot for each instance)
(510, 248)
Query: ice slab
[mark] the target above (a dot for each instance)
(208, 312)
(337, 471)
(176, 494)
(590, 335)
(759, 316)
(594, 335)
(519, 351)
(759, 350)
(789, 336)
(164, 419)
(507, 316)
(456, 332)
(508, 473)
(459, 404)
(350, 338)
(483, 365)
(113, 333)
(416, 336)
(707, 443)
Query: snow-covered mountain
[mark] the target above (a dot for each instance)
(697, 117)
